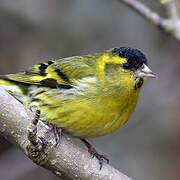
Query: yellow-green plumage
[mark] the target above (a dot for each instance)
(87, 96)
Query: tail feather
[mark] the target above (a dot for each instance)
(3, 77)
(18, 90)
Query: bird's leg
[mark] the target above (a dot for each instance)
(32, 130)
(57, 133)
(94, 153)
(36, 145)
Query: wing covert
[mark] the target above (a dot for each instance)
(62, 73)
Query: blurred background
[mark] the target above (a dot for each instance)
(148, 146)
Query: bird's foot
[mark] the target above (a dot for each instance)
(94, 153)
(57, 133)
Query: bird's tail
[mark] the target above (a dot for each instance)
(16, 89)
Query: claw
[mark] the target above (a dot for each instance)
(57, 133)
(94, 153)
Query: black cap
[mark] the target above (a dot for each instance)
(135, 58)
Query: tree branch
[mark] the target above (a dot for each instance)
(171, 25)
(173, 12)
(66, 160)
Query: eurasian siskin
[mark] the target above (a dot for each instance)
(86, 96)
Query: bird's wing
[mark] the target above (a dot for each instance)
(62, 73)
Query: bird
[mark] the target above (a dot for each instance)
(84, 96)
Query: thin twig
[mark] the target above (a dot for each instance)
(145, 12)
(173, 14)
(66, 160)
(167, 25)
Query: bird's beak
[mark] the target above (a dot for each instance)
(145, 71)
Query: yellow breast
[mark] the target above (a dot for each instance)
(95, 118)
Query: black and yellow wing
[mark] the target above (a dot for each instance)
(60, 73)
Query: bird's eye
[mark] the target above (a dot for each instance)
(126, 65)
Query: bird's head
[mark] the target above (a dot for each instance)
(125, 65)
